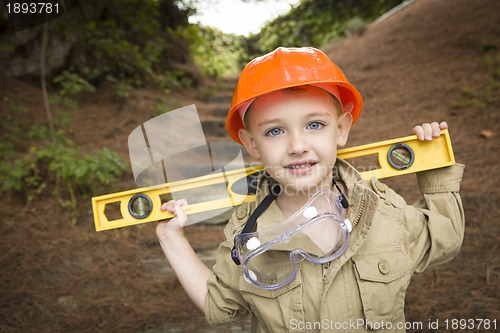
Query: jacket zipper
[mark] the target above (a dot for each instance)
(360, 210)
(326, 265)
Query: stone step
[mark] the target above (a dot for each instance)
(220, 112)
(215, 128)
(220, 98)
(230, 81)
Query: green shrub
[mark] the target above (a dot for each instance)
(72, 84)
(215, 53)
(316, 22)
(122, 90)
(466, 99)
(123, 39)
(12, 129)
(355, 27)
(163, 105)
(66, 167)
(62, 166)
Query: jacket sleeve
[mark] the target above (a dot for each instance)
(224, 303)
(435, 224)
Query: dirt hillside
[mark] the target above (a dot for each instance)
(435, 60)
(440, 60)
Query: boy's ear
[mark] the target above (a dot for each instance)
(344, 126)
(249, 143)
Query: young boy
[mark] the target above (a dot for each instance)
(291, 109)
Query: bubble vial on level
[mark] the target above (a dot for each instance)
(140, 206)
(400, 156)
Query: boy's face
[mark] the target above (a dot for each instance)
(295, 135)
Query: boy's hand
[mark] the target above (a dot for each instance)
(429, 131)
(166, 228)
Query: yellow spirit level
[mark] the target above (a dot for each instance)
(396, 157)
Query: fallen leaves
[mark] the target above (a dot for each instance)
(487, 134)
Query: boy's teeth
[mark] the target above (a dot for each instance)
(300, 166)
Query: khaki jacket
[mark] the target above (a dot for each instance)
(364, 289)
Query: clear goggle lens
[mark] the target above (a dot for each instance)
(317, 232)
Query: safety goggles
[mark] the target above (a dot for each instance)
(317, 232)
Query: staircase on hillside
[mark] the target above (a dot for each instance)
(214, 121)
(223, 148)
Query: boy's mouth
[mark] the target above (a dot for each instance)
(300, 166)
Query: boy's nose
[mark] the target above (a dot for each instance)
(297, 144)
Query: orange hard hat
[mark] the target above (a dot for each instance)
(285, 68)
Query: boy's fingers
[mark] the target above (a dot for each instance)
(182, 202)
(170, 205)
(419, 132)
(181, 215)
(180, 219)
(427, 131)
(436, 130)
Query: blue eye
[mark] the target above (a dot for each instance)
(274, 132)
(315, 125)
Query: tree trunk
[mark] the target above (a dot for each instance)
(44, 85)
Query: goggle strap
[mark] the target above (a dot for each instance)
(343, 199)
(270, 197)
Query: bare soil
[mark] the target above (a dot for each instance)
(435, 60)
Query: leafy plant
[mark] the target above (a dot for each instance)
(466, 98)
(127, 39)
(355, 26)
(12, 129)
(65, 166)
(72, 84)
(175, 78)
(493, 84)
(122, 90)
(163, 106)
(61, 166)
(483, 96)
(316, 22)
(217, 54)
